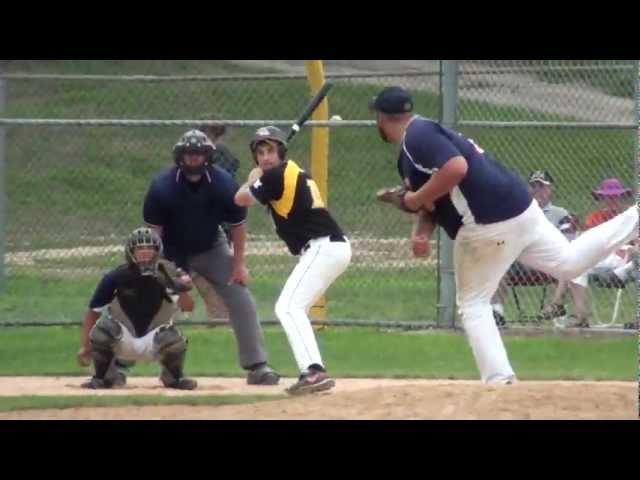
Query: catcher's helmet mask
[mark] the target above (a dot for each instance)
(143, 237)
(269, 134)
(193, 141)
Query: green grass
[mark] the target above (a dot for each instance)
(361, 293)
(67, 183)
(117, 67)
(358, 294)
(601, 303)
(31, 402)
(348, 353)
(614, 82)
(71, 186)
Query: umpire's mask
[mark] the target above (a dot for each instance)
(194, 141)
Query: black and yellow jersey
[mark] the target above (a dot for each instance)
(295, 204)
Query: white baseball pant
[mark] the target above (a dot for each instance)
(483, 254)
(136, 349)
(613, 262)
(317, 269)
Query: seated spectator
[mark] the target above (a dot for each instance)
(615, 270)
(618, 268)
(614, 197)
(541, 184)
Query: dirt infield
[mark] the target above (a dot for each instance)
(352, 399)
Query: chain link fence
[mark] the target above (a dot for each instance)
(577, 120)
(74, 189)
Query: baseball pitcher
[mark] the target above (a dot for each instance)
(489, 213)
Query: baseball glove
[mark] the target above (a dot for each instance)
(395, 197)
(174, 277)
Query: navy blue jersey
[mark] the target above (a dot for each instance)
(444, 213)
(140, 296)
(190, 213)
(105, 292)
(488, 193)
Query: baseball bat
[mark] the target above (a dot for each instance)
(308, 111)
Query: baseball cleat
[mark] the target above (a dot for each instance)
(95, 383)
(117, 379)
(502, 380)
(263, 375)
(184, 383)
(311, 382)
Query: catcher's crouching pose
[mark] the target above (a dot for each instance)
(308, 229)
(138, 305)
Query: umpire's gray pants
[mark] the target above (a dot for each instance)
(215, 265)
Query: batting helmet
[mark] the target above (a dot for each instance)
(266, 134)
(143, 237)
(194, 141)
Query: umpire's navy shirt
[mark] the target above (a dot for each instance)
(488, 193)
(190, 213)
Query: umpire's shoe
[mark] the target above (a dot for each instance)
(262, 374)
(95, 383)
(314, 380)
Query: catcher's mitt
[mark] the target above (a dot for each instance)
(174, 277)
(395, 197)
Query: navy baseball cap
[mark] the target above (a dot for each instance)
(392, 100)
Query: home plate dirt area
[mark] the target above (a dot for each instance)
(353, 398)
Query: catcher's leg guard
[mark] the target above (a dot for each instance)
(117, 373)
(172, 349)
(106, 333)
(104, 336)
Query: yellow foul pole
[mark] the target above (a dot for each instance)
(319, 155)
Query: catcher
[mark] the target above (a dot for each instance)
(131, 317)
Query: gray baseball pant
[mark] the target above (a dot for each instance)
(215, 265)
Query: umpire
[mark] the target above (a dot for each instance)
(225, 159)
(187, 203)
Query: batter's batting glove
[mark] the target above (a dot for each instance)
(395, 197)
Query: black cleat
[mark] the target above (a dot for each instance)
(95, 383)
(263, 375)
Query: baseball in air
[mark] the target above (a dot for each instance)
(336, 118)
